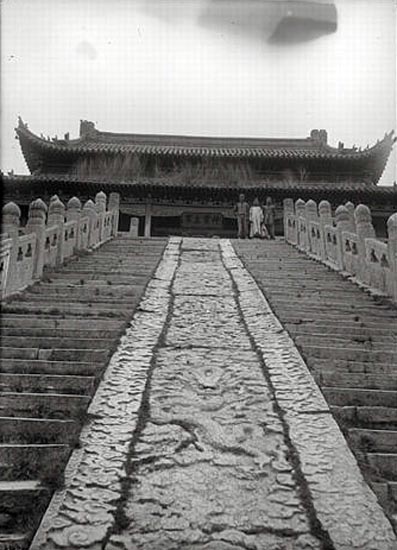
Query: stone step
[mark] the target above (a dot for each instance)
(64, 368)
(43, 383)
(88, 283)
(56, 339)
(374, 418)
(323, 340)
(381, 416)
(321, 318)
(335, 303)
(359, 397)
(317, 364)
(347, 331)
(392, 487)
(94, 336)
(381, 490)
(43, 342)
(332, 379)
(84, 301)
(314, 289)
(13, 540)
(34, 430)
(383, 441)
(64, 354)
(330, 311)
(76, 292)
(385, 464)
(17, 496)
(40, 461)
(43, 322)
(43, 405)
(350, 354)
(108, 279)
(50, 308)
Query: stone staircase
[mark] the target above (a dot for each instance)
(56, 339)
(349, 342)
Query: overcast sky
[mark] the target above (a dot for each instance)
(171, 66)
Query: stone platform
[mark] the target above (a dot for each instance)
(208, 431)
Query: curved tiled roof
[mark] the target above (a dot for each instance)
(97, 141)
(93, 141)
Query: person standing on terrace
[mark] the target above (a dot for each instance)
(268, 211)
(242, 211)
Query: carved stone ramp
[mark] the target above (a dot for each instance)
(349, 342)
(208, 431)
(56, 339)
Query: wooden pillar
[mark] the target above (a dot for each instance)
(148, 220)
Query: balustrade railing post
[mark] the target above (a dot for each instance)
(56, 216)
(342, 219)
(311, 215)
(73, 213)
(288, 212)
(364, 230)
(114, 206)
(352, 223)
(300, 213)
(11, 215)
(325, 216)
(90, 211)
(37, 224)
(100, 207)
(392, 251)
(134, 226)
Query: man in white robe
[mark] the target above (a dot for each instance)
(256, 220)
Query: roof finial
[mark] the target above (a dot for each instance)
(21, 123)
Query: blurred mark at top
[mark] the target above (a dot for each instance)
(280, 22)
(273, 21)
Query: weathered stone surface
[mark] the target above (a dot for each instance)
(208, 431)
(340, 497)
(210, 468)
(82, 512)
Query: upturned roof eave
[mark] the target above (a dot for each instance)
(172, 186)
(91, 146)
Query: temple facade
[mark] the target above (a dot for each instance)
(185, 185)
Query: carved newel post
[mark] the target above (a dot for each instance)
(342, 224)
(311, 215)
(363, 219)
(364, 230)
(36, 224)
(73, 214)
(350, 208)
(325, 215)
(11, 215)
(342, 219)
(134, 226)
(90, 212)
(56, 216)
(114, 206)
(100, 206)
(300, 213)
(300, 207)
(288, 211)
(392, 250)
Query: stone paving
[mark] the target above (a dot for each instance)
(208, 431)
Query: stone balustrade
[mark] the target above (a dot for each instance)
(345, 241)
(52, 235)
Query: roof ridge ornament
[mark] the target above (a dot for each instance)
(21, 123)
(87, 128)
